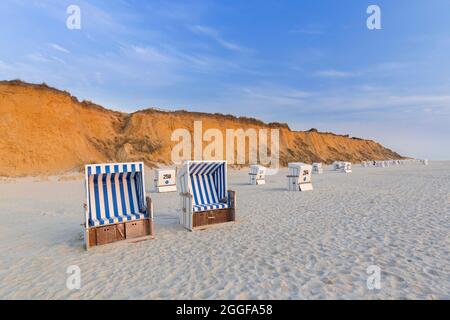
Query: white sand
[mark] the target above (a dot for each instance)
(286, 245)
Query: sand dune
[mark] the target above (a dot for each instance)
(285, 245)
(47, 131)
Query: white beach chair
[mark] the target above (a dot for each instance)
(299, 178)
(317, 167)
(342, 166)
(165, 180)
(347, 167)
(205, 200)
(337, 165)
(257, 175)
(116, 206)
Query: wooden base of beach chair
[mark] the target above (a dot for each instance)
(205, 219)
(120, 231)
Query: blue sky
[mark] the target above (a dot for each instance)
(307, 63)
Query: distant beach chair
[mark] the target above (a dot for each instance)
(205, 200)
(116, 206)
(317, 167)
(347, 167)
(337, 165)
(342, 166)
(366, 164)
(257, 175)
(165, 180)
(299, 178)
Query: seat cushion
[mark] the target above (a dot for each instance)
(117, 219)
(210, 206)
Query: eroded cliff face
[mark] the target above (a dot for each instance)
(47, 131)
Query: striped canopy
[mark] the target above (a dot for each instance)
(115, 193)
(207, 182)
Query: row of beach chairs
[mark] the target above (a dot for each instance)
(117, 207)
(391, 163)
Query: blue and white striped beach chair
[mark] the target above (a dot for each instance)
(204, 195)
(116, 205)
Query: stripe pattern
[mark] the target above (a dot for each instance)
(115, 193)
(207, 182)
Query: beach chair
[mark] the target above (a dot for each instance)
(342, 166)
(165, 180)
(299, 178)
(346, 167)
(116, 206)
(205, 200)
(257, 175)
(337, 165)
(317, 167)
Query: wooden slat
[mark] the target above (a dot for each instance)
(120, 231)
(92, 235)
(106, 234)
(134, 229)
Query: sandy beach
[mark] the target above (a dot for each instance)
(285, 245)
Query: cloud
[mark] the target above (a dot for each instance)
(37, 57)
(4, 66)
(431, 101)
(59, 60)
(335, 74)
(214, 35)
(271, 96)
(358, 103)
(58, 48)
(152, 54)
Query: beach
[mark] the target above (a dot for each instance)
(284, 245)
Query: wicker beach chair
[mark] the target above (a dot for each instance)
(205, 200)
(116, 206)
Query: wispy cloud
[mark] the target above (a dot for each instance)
(214, 35)
(331, 73)
(59, 60)
(59, 48)
(152, 54)
(271, 96)
(37, 57)
(4, 66)
(429, 101)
